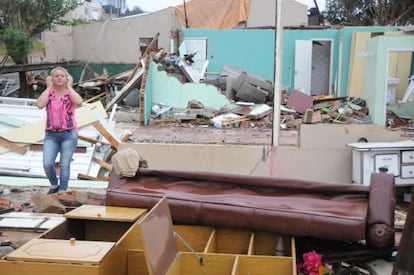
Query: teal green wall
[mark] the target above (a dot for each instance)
(288, 51)
(376, 83)
(337, 36)
(249, 50)
(254, 50)
(148, 93)
(168, 90)
(346, 36)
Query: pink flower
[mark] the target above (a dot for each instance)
(313, 265)
(312, 261)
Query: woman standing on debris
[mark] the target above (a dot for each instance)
(61, 135)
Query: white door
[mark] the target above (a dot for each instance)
(303, 65)
(199, 47)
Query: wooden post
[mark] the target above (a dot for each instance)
(404, 264)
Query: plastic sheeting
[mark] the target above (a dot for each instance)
(213, 14)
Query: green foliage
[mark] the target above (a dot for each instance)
(136, 10)
(370, 13)
(17, 43)
(35, 16)
(35, 46)
(24, 19)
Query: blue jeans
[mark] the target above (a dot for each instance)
(64, 143)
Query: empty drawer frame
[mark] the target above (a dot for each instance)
(107, 240)
(188, 249)
(93, 240)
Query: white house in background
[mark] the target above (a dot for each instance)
(88, 11)
(112, 6)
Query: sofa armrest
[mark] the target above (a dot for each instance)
(381, 206)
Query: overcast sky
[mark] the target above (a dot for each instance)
(154, 5)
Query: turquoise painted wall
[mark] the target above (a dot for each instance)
(376, 84)
(345, 35)
(288, 51)
(148, 93)
(249, 50)
(337, 36)
(253, 50)
(168, 90)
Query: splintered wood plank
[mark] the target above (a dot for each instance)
(106, 130)
(87, 177)
(11, 146)
(103, 131)
(39, 147)
(103, 164)
(35, 133)
(126, 89)
(91, 140)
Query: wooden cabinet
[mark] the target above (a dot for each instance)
(188, 249)
(105, 240)
(86, 243)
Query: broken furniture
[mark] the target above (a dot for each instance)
(285, 206)
(106, 240)
(396, 158)
(87, 242)
(179, 250)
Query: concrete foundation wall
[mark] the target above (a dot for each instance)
(111, 41)
(323, 155)
(58, 44)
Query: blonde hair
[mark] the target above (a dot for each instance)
(49, 82)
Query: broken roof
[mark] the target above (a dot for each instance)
(213, 14)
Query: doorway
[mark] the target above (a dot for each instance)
(313, 66)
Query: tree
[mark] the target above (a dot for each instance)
(370, 12)
(135, 10)
(23, 20)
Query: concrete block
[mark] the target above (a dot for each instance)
(253, 80)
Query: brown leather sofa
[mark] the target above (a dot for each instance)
(345, 212)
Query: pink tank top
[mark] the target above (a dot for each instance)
(60, 113)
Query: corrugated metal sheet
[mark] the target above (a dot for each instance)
(25, 112)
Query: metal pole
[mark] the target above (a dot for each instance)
(278, 74)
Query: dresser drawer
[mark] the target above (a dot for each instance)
(407, 171)
(388, 161)
(407, 156)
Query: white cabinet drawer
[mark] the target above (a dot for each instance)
(407, 156)
(389, 161)
(407, 171)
